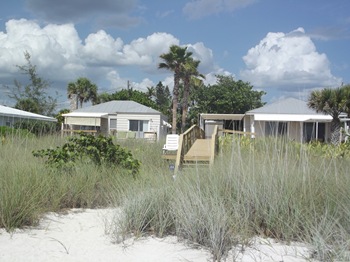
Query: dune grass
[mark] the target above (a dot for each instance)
(29, 188)
(270, 188)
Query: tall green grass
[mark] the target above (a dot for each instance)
(271, 188)
(28, 188)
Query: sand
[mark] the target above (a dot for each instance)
(84, 235)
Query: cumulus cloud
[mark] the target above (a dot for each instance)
(204, 55)
(59, 49)
(287, 61)
(200, 8)
(67, 11)
(146, 51)
(62, 56)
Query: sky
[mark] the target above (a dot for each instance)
(286, 48)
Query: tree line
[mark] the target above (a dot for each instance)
(189, 97)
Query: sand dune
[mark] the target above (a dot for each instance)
(82, 235)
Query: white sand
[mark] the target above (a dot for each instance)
(81, 235)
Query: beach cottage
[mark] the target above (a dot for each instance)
(124, 119)
(9, 116)
(291, 118)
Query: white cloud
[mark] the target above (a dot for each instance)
(287, 60)
(52, 48)
(199, 8)
(101, 48)
(62, 56)
(146, 51)
(59, 53)
(210, 78)
(204, 55)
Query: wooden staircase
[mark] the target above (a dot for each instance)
(194, 149)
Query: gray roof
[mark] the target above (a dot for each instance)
(285, 106)
(119, 106)
(13, 112)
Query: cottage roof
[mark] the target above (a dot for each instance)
(285, 106)
(13, 112)
(119, 106)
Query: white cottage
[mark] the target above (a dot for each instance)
(120, 118)
(9, 116)
(290, 117)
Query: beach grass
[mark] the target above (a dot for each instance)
(270, 188)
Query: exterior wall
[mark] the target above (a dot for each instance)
(155, 123)
(104, 126)
(83, 121)
(163, 129)
(259, 127)
(7, 121)
(295, 131)
(123, 121)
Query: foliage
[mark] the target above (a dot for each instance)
(60, 118)
(330, 101)
(28, 189)
(273, 188)
(227, 96)
(37, 127)
(329, 151)
(191, 79)
(128, 94)
(6, 131)
(83, 90)
(33, 97)
(99, 150)
(163, 99)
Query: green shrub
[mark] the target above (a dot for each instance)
(28, 188)
(99, 150)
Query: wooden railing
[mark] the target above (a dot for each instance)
(229, 131)
(214, 144)
(186, 140)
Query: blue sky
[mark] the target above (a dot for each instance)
(286, 48)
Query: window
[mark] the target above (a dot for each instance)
(276, 128)
(314, 131)
(113, 124)
(138, 126)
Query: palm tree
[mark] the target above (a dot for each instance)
(329, 101)
(174, 61)
(83, 91)
(151, 91)
(191, 78)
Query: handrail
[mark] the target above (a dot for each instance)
(186, 140)
(236, 132)
(214, 144)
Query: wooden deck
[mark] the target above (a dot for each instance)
(194, 149)
(200, 151)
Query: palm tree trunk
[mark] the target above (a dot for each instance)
(335, 131)
(185, 104)
(175, 102)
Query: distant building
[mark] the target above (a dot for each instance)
(120, 118)
(9, 116)
(291, 118)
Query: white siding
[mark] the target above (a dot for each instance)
(83, 121)
(123, 121)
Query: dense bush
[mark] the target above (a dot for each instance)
(99, 150)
